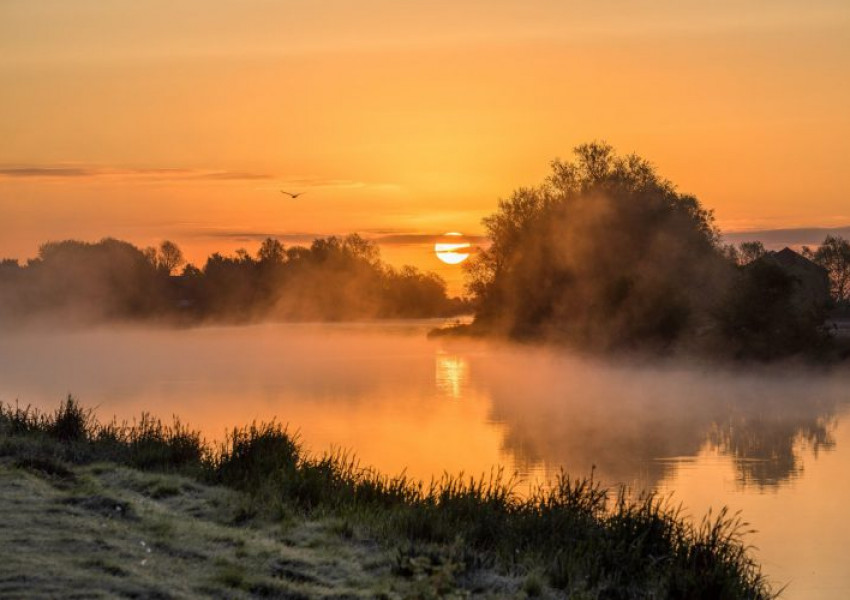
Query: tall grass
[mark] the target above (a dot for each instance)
(584, 538)
(73, 434)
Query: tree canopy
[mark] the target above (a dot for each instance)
(607, 255)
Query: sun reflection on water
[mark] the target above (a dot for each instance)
(451, 374)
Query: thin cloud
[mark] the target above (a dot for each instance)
(158, 174)
(43, 172)
(243, 235)
(793, 236)
(315, 182)
(69, 171)
(414, 239)
(339, 184)
(772, 238)
(389, 239)
(388, 230)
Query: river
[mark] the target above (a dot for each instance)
(772, 443)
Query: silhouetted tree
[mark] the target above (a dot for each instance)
(150, 255)
(109, 279)
(271, 252)
(411, 293)
(604, 254)
(730, 252)
(750, 251)
(169, 257)
(191, 270)
(607, 255)
(744, 253)
(834, 255)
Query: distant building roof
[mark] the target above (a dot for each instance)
(789, 258)
(812, 287)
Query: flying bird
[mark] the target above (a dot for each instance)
(293, 196)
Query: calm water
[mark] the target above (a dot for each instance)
(773, 444)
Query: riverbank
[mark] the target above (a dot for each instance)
(152, 508)
(109, 531)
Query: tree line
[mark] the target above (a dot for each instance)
(334, 278)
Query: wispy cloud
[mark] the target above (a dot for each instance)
(387, 236)
(317, 182)
(42, 172)
(90, 172)
(379, 236)
(414, 239)
(246, 235)
(82, 172)
(793, 236)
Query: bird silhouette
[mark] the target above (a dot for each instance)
(291, 195)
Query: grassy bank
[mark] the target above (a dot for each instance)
(237, 511)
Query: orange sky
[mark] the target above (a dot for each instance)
(181, 120)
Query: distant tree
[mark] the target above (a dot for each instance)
(335, 278)
(834, 255)
(169, 257)
(410, 292)
(750, 251)
(362, 249)
(243, 256)
(191, 270)
(297, 254)
(730, 251)
(150, 255)
(104, 280)
(271, 252)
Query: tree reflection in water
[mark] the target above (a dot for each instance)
(635, 424)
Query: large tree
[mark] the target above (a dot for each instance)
(605, 253)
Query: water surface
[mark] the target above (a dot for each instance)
(773, 444)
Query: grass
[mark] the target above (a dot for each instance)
(73, 541)
(453, 534)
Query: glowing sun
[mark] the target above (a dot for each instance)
(452, 248)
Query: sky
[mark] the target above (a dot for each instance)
(183, 119)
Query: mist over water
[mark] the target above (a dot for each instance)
(766, 442)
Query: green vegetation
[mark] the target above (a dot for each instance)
(400, 537)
